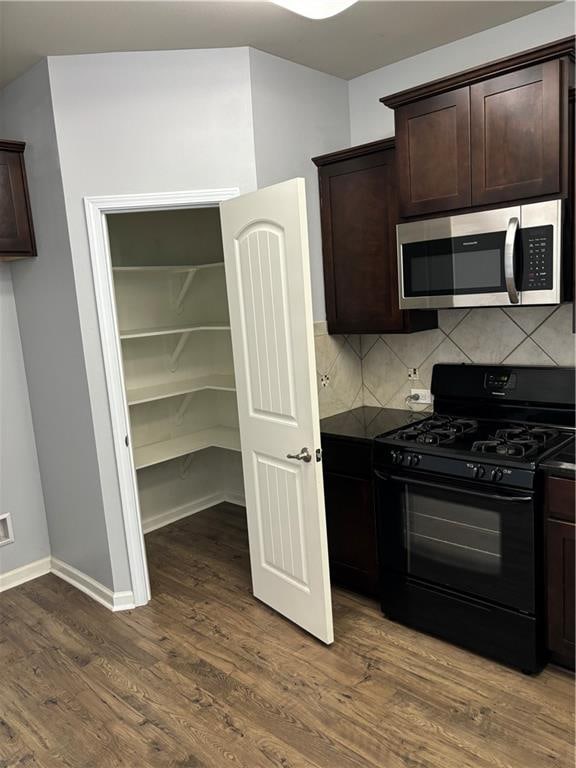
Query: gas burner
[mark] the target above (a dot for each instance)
(517, 448)
(485, 446)
(462, 426)
(435, 422)
(542, 435)
(511, 433)
(528, 437)
(410, 435)
(436, 437)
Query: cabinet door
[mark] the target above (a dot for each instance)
(433, 145)
(359, 215)
(561, 595)
(516, 135)
(16, 240)
(352, 545)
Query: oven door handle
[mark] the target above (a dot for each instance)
(453, 489)
(509, 277)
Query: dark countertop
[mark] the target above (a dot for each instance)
(563, 462)
(366, 422)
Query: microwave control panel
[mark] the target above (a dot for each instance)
(537, 249)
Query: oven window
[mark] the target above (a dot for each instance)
(454, 266)
(477, 542)
(446, 533)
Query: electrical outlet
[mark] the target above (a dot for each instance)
(424, 396)
(325, 380)
(413, 374)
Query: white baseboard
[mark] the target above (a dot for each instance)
(114, 601)
(169, 516)
(235, 498)
(26, 573)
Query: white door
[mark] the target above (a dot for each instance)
(269, 293)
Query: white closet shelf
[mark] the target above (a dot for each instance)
(215, 437)
(139, 333)
(137, 395)
(172, 268)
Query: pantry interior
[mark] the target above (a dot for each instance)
(174, 329)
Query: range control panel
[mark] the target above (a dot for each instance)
(396, 460)
(500, 382)
(537, 247)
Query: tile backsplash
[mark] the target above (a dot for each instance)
(358, 370)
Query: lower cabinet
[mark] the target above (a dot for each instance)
(561, 565)
(350, 515)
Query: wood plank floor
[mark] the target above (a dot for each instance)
(207, 677)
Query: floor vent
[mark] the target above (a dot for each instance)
(6, 534)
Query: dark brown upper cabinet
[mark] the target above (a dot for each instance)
(16, 233)
(495, 134)
(517, 137)
(359, 213)
(433, 146)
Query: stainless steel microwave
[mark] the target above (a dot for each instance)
(509, 256)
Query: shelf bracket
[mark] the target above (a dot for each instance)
(186, 464)
(186, 400)
(184, 288)
(178, 349)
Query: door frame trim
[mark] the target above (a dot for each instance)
(96, 210)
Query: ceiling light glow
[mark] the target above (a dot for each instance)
(315, 9)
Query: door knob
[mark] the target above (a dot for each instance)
(304, 455)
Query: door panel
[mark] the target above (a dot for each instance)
(360, 211)
(516, 135)
(433, 146)
(269, 292)
(280, 509)
(260, 262)
(561, 592)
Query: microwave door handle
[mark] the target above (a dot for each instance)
(511, 232)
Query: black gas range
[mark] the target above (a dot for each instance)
(459, 514)
(488, 450)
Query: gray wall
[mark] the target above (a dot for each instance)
(47, 308)
(20, 487)
(298, 113)
(371, 120)
(135, 123)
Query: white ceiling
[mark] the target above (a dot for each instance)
(367, 36)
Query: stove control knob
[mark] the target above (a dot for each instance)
(399, 457)
(496, 474)
(478, 472)
(415, 460)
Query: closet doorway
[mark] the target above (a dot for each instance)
(204, 302)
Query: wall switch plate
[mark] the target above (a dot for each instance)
(423, 396)
(413, 374)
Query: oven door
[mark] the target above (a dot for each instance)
(460, 536)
